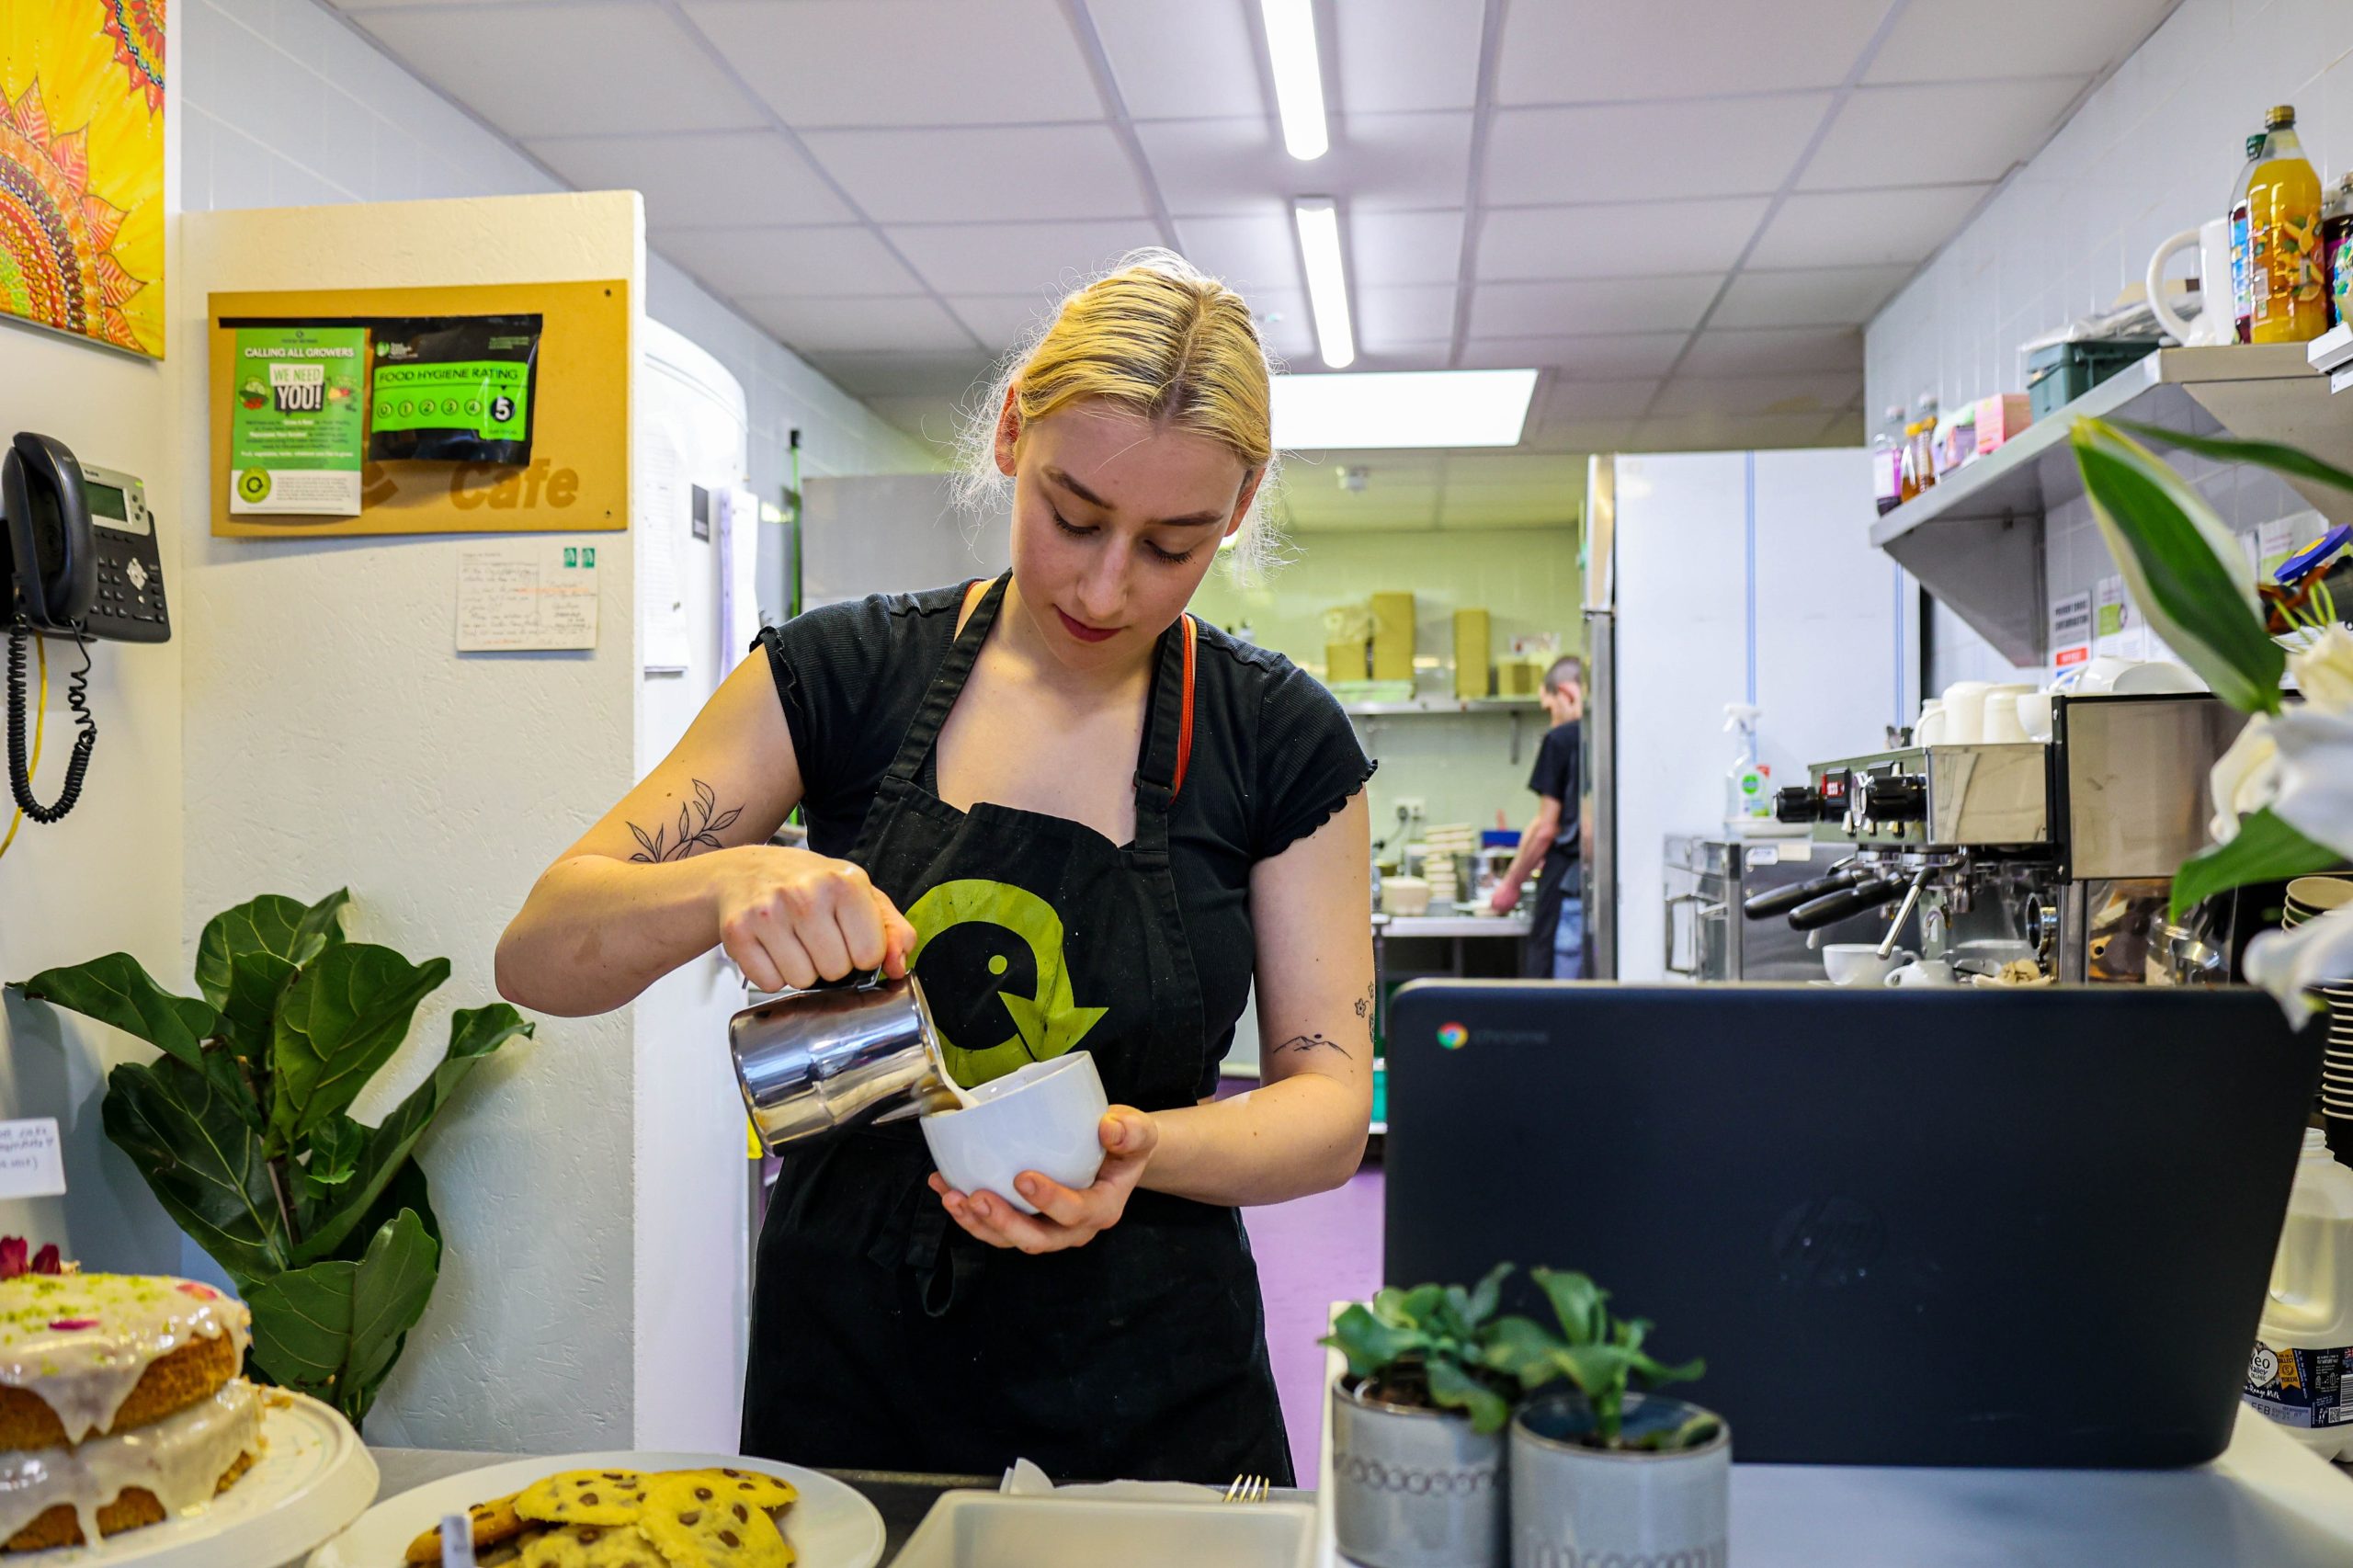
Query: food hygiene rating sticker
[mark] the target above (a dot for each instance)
(297, 426)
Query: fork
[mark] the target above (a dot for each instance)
(1246, 1489)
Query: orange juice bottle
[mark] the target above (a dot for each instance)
(2287, 278)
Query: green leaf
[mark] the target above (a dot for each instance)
(2183, 566)
(1522, 1348)
(257, 980)
(1412, 1308)
(1597, 1369)
(1577, 1301)
(336, 1146)
(1371, 1346)
(203, 1161)
(2284, 459)
(2265, 850)
(333, 1329)
(1654, 1374)
(474, 1033)
(342, 1018)
(115, 990)
(1486, 1295)
(272, 924)
(1458, 1390)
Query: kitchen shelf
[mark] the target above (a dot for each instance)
(1440, 705)
(1975, 539)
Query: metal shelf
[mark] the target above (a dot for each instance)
(1440, 705)
(1975, 539)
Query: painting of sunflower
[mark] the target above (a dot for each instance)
(81, 168)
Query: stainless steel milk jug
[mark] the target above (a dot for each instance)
(810, 1061)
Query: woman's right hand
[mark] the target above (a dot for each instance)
(792, 917)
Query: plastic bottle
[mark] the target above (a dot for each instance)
(1923, 431)
(1747, 798)
(2284, 264)
(2242, 289)
(2337, 249)
(2301, 1372)
(1887, 463)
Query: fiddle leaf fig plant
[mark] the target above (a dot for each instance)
(243, 1131)
(1596, 1353)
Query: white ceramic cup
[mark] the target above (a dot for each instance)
(2034, 715)
(1044, 1118)
(1858, 963)
(1928, 730)
(1924, 972)
(2212, 325)
(1964, 703)
(2002, 725)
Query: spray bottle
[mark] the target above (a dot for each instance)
(1746, 795)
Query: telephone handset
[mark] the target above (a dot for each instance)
(72, 575)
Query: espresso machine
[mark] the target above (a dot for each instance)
(1997, 856)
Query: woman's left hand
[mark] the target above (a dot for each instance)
(1065, 1217)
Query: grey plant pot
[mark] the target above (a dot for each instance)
(1579, 1507)
(1412, 1487)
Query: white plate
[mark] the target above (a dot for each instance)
(314, 1478)
(830, 1526)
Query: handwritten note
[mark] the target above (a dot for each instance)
(526, 594)
(32, 1164)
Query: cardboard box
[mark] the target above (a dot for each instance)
(1346, 661)
(2000, 419)
(1472, 653)
(1392, 636)
(1520, 677)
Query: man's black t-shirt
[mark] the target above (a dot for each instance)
(1273, 757)
(1556, 775)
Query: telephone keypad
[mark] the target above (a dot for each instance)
(129, 606)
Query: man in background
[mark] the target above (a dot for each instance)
(1555, 949)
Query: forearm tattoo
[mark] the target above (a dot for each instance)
(1305, 1042)
(700, 822)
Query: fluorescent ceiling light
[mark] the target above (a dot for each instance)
(1327, 281)
(1401, 408)
(1299, 76)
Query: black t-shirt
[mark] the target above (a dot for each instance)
(1556, 775)
(1273, 757)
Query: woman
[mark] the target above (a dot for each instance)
(1086, 822)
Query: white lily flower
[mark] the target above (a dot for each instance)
(2289, 963)
(2245, 780)
(2323, 669)
(2313, 788)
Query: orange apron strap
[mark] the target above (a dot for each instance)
(973, 591)
(1185, 723)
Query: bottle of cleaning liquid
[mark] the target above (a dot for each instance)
(2337, 249)
(2283, 201)
(2242, 289)
(2301, 1372)
(1748, 797)
(1887, 463)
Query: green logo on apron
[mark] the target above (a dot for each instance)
(1044, 1026)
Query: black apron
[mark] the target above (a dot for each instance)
(1558, 880)
(884, 1337)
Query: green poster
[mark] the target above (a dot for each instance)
(297, 432)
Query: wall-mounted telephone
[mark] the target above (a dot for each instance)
(70, 574)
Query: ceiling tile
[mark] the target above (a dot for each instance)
(1766, 351)
(1581, 436)
(904, 375)
(841, 325)
(1406, 54)
(1428, 355)
(674, 84)
(2015, 38)
(905, 61)
(1817, 393)
(1014, 258)
(1722, 433)
(1584, 51)
(1377, 161)
(1831, 296)
(1419, 312)
(1520, 470)
(1624, 305)
(1405, 247)
(1908, 136)
(845, 259)
(1285, 324)
(1566, 399)
(1864, 227)
(1620, 240)
(988, 174)
(1250, 251)
(1190, 62)
(933, 420)
(1646, 152)
(1003, 320)
(1596, 356)
(712, 180)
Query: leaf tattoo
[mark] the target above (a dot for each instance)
(700, 822)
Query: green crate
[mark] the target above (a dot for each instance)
(2058, 374)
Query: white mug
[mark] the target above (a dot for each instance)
(1925, 971)
(2002, 724)
(1964, 703)
(2213, 324)
(1930, 730)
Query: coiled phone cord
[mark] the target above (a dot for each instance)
(77, 698)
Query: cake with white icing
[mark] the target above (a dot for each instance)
(119, 1402)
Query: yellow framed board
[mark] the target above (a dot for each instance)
(577, 481)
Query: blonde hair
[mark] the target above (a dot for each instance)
(1158, 338)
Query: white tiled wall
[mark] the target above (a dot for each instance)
(283, 104)
(2153, 151)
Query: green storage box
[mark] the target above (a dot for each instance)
(2059, 373)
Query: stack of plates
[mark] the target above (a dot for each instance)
(2308, 898)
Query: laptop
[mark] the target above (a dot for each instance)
(1965, 1227)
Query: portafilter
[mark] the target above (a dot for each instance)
(814, 1061)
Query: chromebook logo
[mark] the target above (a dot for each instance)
(1452, 1036)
